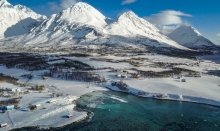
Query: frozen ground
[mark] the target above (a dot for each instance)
(204, 89)
(206, 86)
(48, 114)
(51, 114)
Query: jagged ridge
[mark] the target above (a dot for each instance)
(83, 24)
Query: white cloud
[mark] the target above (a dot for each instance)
(67, 3)
(168, 17)
(126, 2)
(218, 34)
(63, 4)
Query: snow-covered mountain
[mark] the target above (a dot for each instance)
(130, 25)
(81, 14)
(82, 24)
(16, 20)
(190, 37)
(76, 24)
(4, 3)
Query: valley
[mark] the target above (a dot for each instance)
(79, 69)
(47, 85)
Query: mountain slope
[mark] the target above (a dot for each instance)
(72, 20)
(80, 14)
(90, 28)
(83, 25)
(190, 37)
(21, 17)
(130, 25)
(83, 13)
(71, 26)
(4, 3)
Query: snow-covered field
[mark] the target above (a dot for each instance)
(49, 114)
(52, 111)
(206, 87)
(118, 49)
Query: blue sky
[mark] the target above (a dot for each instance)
(202, 14)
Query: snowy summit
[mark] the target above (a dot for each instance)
(83, 13)
(82, 24)
(18, 16)
(189, 37)
(77, 65)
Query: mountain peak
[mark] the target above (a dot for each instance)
(131, 25)
(83, 23)
(189, 29)
(4, 3)
(83, 13)
(188, 36)
(81, 5)
(16, 17)
(128, 14)
(129, 18)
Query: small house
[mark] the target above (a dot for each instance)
(2, 125)
(10, 107)
(16, 90)
(124, 76)
(124, 71)
(51, 101)
(183, 80)
(38, 105)
(119, 75)
(33, 107)
(69, 116)
(45, 78)
(136, 76)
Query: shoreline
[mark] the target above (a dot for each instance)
(45, 128)
(214, 104)
(90, 114)
(203, 90)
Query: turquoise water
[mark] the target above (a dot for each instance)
(141, 114)
(121, 112)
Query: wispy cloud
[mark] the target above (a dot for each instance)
(218, 34)
(126, 2)
(168, 17)
(168, 20)
(61, 5)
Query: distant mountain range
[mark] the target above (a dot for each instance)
(82, 24)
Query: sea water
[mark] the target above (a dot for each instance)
(117, 111)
